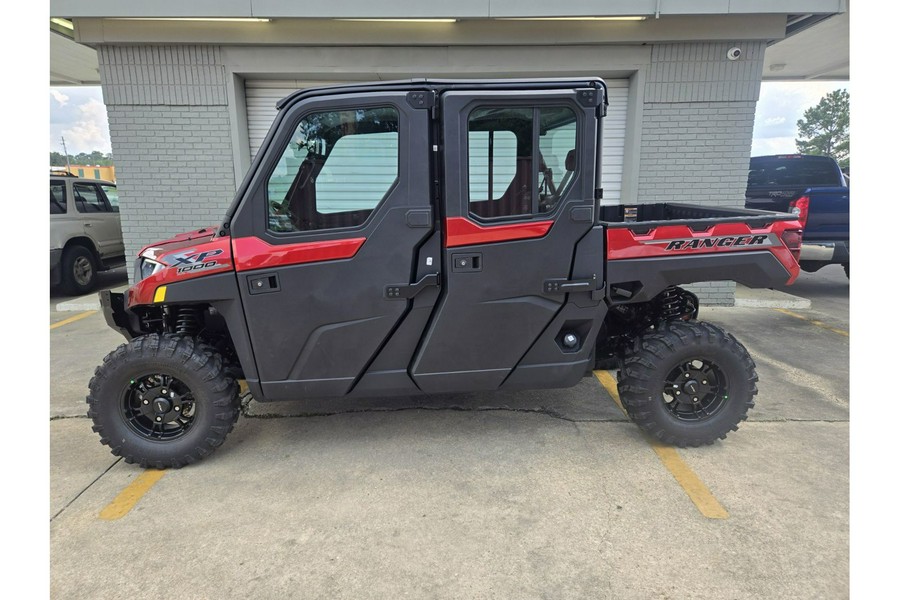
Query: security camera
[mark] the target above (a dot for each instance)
(734, 53)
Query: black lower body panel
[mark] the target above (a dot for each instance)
(647, 277)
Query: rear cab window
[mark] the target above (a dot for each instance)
(793, 170)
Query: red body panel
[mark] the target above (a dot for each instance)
(622, 243)
(463, 232)
(192, 252)
(182, 240)
(254, 253)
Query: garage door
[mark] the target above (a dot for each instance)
(263, 94)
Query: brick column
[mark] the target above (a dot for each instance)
(697, 131)
(171, 141)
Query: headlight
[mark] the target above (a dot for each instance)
(145, 268)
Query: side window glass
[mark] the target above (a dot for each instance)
(337, 168)
(112, 195)
(88, 198)
(557, 155)
(500, 161)
(503, 159)
(57, 198)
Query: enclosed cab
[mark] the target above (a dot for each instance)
(422, 237)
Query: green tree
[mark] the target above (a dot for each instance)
(825, 128)
(82, 158)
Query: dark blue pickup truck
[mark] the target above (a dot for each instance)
(815, 189)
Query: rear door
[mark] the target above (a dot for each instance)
(519, 194)
(99, 218)
(330, 229)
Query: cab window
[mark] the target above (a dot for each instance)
(510, 174)
(337, 168)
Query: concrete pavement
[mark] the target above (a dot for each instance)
(531, 495)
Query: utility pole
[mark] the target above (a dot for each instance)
(66, 152)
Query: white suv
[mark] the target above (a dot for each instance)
(85, 232)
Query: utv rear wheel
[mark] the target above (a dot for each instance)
(163, 401)
(79, 270)
(687, 383)
(847, 269)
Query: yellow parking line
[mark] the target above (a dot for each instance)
(791, 313)
(692, 485)
(77, 317)
(130, 496)
(609, 382)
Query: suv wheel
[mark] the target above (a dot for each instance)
(79, 270)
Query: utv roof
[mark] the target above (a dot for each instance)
(441, 85)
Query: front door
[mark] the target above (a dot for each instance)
(520, 171)
(327, 240)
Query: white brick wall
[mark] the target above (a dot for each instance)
(696, 152)
(171, 139)
(174, 169)
(697, 131)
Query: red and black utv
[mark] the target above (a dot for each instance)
(419, 237)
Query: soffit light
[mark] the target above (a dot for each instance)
(196, 19)
(401, 20)
(628, 18)
(63, 23)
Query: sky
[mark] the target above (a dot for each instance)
(78, 114)
(780, 106)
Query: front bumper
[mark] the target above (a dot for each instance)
(825, 252)
(117, 316)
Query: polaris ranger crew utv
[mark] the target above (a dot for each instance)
(419, 237)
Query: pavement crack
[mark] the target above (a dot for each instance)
(78, 495)
(61, 417)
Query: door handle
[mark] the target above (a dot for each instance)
(88, 224)
(567, 286)
(411, 290)
(264, 284)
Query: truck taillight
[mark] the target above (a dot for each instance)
(792, 238)
(800, 207)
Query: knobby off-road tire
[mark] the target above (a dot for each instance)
(163, 401)
(79, 270)
(687, 383)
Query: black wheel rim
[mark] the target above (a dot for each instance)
(695, 390)
(158, 407)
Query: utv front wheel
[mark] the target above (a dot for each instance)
(687, 383)
(162, 401)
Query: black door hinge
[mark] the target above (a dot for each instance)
(423, 99)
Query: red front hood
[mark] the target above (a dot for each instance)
(182, 240)
(186, 256)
